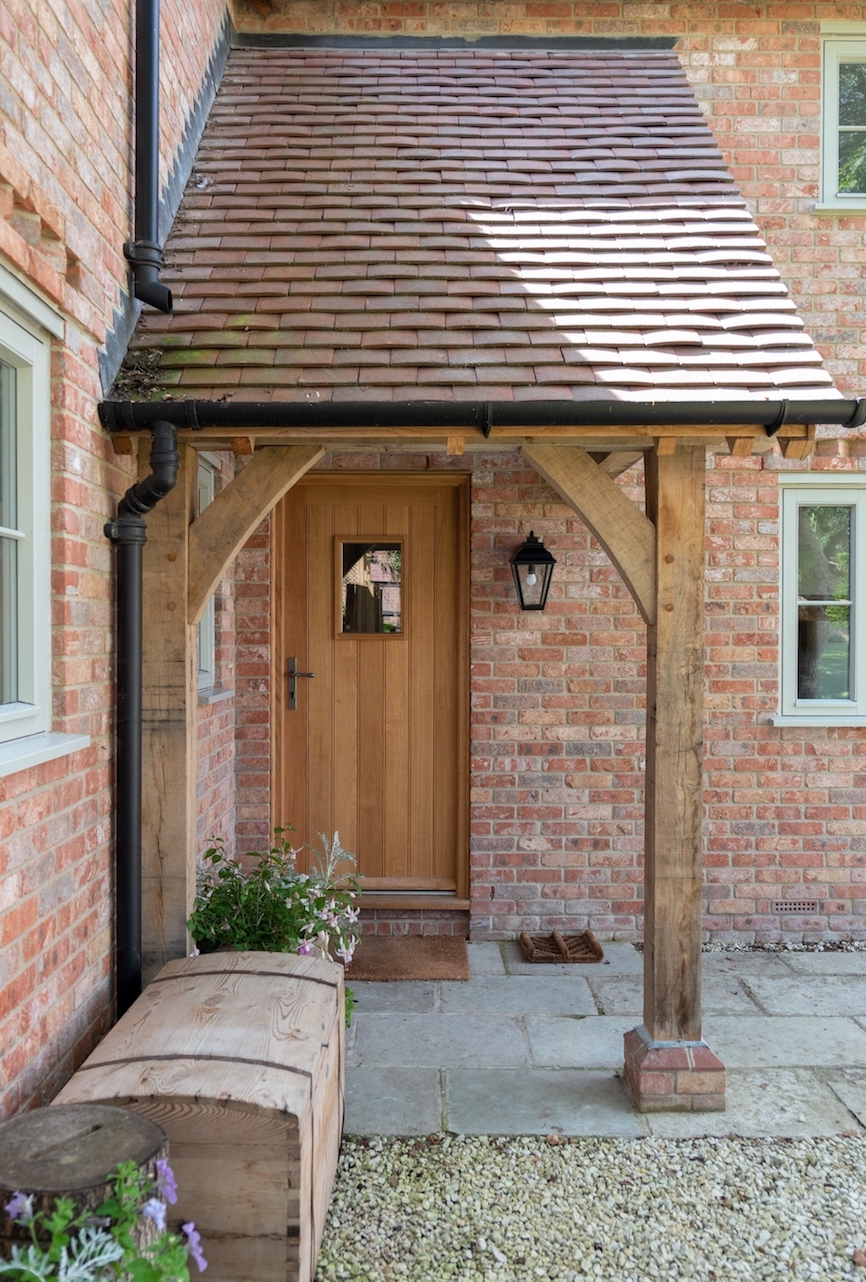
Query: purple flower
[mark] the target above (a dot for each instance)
(193, 1245)
(155, 1210)
(165, 1181)
(304, 948)
(20, 1207)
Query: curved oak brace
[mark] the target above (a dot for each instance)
(217, 536)
(626, 535)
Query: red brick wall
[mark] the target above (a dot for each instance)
(557, 725)
(558, 737)
(756, 71)
(65, 210)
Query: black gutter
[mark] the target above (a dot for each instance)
(144, 253)
(128, 534)
(133, 416)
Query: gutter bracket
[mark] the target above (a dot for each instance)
(858, 418)
(772, 428)
(486, 419)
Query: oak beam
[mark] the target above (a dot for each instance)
(667, 1064)
(626, 535)
(223, 528)
(674, 750)
(168, 724)
(617, 461)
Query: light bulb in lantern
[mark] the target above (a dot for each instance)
(531, 578)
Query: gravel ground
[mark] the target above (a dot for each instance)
(520, 1209)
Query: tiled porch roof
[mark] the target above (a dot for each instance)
(470, 225)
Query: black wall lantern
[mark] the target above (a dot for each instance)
(532, 567)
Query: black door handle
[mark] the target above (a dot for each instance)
(293, 677)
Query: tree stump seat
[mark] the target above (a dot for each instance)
(73, 1151)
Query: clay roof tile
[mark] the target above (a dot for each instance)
(499, 224)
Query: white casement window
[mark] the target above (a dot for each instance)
(25, 603)
(843, 118)
(27, 325)
(823, 600)
(208, 467)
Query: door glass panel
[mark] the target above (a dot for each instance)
(371, 590)
(823, 602)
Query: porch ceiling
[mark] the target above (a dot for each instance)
(470, 225)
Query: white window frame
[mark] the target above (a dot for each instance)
(208, 470)
(809, 489)
(839, 41)
(27, 325)
(22, 347)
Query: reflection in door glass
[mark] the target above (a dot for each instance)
(372, 587)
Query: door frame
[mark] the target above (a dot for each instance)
(460, 480)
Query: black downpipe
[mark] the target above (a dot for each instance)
(144, 253)
(128, 533)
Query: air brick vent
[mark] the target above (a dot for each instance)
(796, 906)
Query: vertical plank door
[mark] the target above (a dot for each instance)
(377, 744)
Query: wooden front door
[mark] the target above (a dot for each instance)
(371, 592)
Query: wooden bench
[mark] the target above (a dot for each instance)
(240, 1058)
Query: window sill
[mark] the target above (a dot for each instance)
(857, 210)
(213, 694)
(21, 754)
(819, 719)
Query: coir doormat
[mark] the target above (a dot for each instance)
(561, 948)
(398, 957)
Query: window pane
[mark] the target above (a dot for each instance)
(824, 652)
(824, 553)
(852, 162)
(8, 450)
(372, 587)
(824, 577)
(8, 547)
(852, 93)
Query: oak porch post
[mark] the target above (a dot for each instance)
(169, 704)
(667, 1064)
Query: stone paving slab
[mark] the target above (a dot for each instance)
(399, 995)
(826, 963)
(485, 959)
(786, 1041)
(781, 1101)
(850, 1087)
(520, 995)
(520, 1101)
(811, 995)
(743, 965)
(393, 1101)
(395, 1039)
(594, 1042)
(619, 958)
(623, 995)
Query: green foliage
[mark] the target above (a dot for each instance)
(99, 1246)
(264, 904)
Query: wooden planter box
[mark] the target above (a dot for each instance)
(239, 1057)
